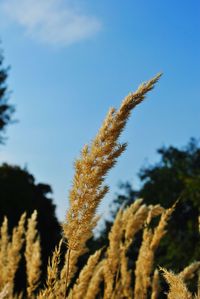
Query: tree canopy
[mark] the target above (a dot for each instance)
(6, 110)
(20, 193)
(175, 177)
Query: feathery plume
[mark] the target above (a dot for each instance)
(52, 275)
(112, 261)
(14, 254)
(4, 292)
(4, 243)
(94, 285)
(90, 171)
(80, 288)
(154, 211)
(155, 285)
(151, 240)
(160, 230)
(177, 288)
(189, 271)
(32, 255)
(134, 220)
(125, 277)
(144, 265)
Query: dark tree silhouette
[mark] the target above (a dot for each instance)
(176, 176)
(6, 110)
(20, 193)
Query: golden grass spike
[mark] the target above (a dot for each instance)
(4, 243)
(112, 261)
(177, 288)
(80, 288)
(125, 273)
(90, 171)
(14, 252)
(94, 285)
(189, 271)
(151, 240)
(32, 255)
(154, 211)
(52, 275)
(160, 230)
(5, 291)
(134, 221)
(155, 285)
(144, 266)
(18, 296)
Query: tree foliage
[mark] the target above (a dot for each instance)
(176, 176)
(6, 110)
(19, 193)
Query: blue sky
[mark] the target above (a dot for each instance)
(72, 60)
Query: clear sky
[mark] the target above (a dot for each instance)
(72, 60)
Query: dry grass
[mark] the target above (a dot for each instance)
(107, 273)
(32, 255)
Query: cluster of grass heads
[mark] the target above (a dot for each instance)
(107, 273)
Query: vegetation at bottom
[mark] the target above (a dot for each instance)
(175, 176)
(143, 243)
